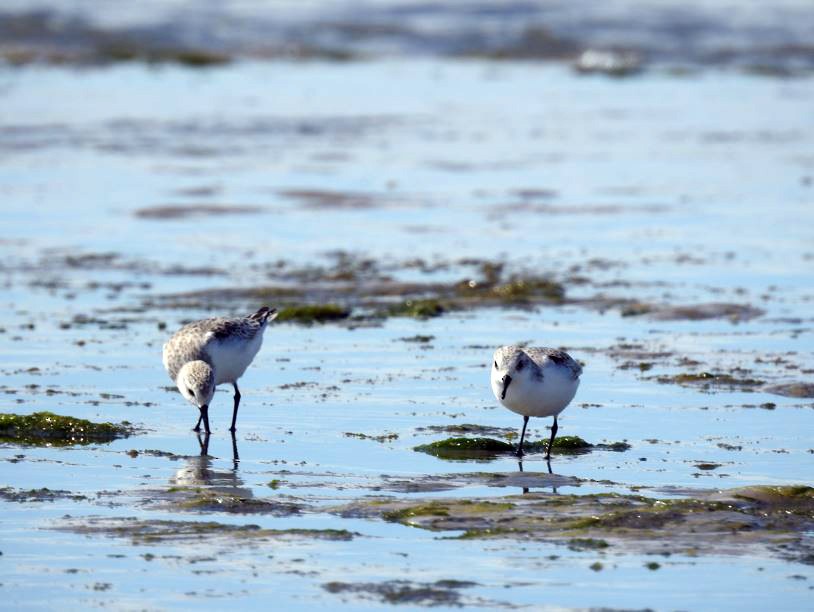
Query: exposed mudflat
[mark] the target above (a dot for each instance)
(656, 226)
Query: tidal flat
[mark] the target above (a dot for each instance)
(406, 221)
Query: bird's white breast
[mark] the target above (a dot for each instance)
(230, 358)
(531, 396)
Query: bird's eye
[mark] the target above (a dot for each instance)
(495, 365)
(190, 392)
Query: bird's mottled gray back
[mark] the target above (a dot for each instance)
(540, 355)
(190, 342)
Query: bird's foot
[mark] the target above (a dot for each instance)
(196, 429)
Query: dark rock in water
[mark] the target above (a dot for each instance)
(736, 313)
(709, 380)
(168, 531)
(439, 593)
(795, 389)
(196, 210)
(38, 495)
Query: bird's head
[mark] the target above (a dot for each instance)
(510, 365)
(196, 382)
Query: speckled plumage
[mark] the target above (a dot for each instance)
(207, 353)
(197, 340)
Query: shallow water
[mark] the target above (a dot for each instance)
(663, 189)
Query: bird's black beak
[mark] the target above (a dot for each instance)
(506, 382)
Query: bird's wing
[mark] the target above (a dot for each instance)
(187, 344)
(561, 358)
(223, 329)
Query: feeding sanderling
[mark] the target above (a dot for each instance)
(534, 382)
(202, 355)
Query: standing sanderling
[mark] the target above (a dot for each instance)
(204, 354)
(534, 382)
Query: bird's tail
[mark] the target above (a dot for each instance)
(264, 315)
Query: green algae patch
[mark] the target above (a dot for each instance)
(453, 508)
(515, 290)
(484, 448)
(563, 444)
(418, 309)
(197, 499)
(465, 448)
(522, 289)
(405, 514)
(308, 314)
(467, 506)
(793, 499)
(49, 429)
(580, 544)
(491, 532)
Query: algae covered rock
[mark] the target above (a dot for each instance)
(466, 448)
(481, 448)
(563, 444)
(47, 428)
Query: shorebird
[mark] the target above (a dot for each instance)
(204, 354)
(538, 382)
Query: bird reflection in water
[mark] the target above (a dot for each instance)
(548, 463)
(200, 472)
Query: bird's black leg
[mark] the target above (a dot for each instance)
(198, 424)
(235, 455)
(205, 417)
(551, 441)
(237, 403)
(522, 436)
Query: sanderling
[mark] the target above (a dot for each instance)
(534, 382)
(204, 354)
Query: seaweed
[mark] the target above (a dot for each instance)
(312, 313)
(479, 447)
(47, 428)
